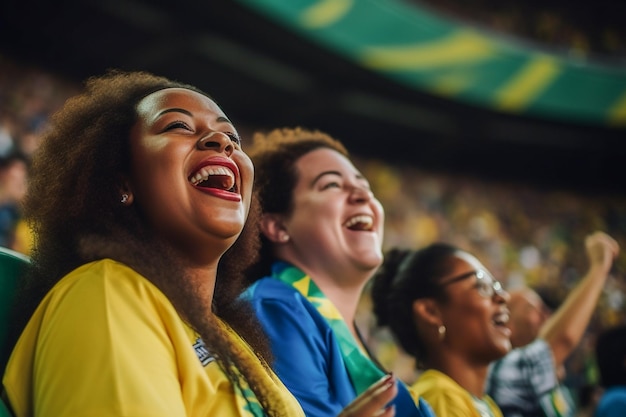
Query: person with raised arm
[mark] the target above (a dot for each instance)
(526, 382)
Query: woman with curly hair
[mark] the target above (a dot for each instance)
(138, 192)
(322, 231)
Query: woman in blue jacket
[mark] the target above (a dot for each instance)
(322, 232)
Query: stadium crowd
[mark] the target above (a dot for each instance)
(525, 235)
(580, 29)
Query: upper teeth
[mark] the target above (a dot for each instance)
(501, 318)
(204, 173)
(366, 220)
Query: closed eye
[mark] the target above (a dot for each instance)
(331, 185)
(235, 138)
(178, 125)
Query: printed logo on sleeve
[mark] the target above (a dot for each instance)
(202, 352)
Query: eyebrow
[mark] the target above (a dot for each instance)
(322, 174)
(175, 110)
(188, 113)
(337, 173)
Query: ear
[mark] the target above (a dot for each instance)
(273, 228)
(428, 310)
(126, 193)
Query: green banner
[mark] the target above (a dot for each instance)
(425, 51)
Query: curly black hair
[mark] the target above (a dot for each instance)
(73, 207)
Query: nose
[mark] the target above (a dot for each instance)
(217, 141)
(501, 295)
(360, 194)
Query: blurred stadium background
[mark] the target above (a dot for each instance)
(499, 126)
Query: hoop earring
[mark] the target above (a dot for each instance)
(442, 332)
(125, 198)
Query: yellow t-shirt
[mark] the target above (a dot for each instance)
(449, 399)
(106, 342)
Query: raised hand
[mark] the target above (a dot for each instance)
(373, 402)
(601, 250)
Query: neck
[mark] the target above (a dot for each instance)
(203, 281)
(471, 377)
(343, 288)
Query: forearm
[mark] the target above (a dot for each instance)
(566, 327)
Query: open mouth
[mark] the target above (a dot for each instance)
(216, 176)
(501, 319)
(360, 222)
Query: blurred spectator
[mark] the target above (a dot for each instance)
(13, 176)
(6, 139)
(28, 96)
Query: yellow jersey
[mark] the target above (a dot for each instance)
(106, 342)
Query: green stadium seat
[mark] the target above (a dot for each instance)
(4, 410)
(12, 265)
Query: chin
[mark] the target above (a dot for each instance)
(231, 235)
(226, 232)
(503, 349)
(371, 265)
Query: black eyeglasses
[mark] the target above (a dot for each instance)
(486, 285)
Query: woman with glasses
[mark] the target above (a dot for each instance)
(446, 310)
